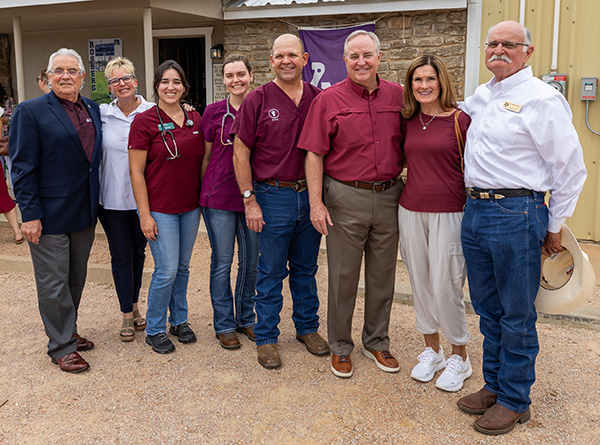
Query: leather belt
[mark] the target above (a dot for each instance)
(373, 186)
(298, 186)
(477, 193)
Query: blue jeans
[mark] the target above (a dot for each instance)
(171, 251)
(223, 227)
(288, 237)
(501, 243)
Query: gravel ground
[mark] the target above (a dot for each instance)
(204, 394)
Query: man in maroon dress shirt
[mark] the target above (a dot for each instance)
(352, 137)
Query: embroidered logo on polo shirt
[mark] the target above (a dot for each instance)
(274, 114)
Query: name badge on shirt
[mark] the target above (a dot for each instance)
(167, 126)
(515, 108)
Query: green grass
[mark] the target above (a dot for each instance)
(101, 94)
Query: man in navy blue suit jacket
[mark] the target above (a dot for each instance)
(55, 146)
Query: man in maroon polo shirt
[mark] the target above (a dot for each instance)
(269, 169)
(352, 137)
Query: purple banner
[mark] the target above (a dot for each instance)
(325, 49)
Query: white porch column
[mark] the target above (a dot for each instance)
(473, 46)
(148, 54)
(18, 38)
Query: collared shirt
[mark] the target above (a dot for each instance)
(219, 188)
(173, 184)
(269, 124)
(115, 184)
(358, 132)
(522, 136)
(82, 122)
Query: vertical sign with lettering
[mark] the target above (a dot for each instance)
(100, 52)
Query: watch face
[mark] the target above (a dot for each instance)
(248, 193)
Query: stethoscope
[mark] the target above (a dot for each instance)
(225, 116)
(164, 132)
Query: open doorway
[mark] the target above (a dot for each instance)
(190, 53)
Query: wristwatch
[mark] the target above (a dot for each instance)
(248, 193)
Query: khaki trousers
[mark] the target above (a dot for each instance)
(364, 222)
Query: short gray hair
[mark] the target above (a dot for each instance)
(526, 35)
(359, 32)
(66, 52)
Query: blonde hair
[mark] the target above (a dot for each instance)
(122, 63)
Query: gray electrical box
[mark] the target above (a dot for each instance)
(588, 88)
(556, 81)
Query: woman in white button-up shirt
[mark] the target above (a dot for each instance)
(118, 213)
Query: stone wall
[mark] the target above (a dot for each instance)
(5, 77)
(403, 37)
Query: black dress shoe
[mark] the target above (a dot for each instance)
(83, 344)
(160, 343)
(183, 332)
(71, 363)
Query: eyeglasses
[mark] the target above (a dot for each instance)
(505, 44)
(60, 72)
(114, 81)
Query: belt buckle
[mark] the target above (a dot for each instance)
(299, 186)
(484, 195)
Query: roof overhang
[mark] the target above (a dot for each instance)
(259, 9)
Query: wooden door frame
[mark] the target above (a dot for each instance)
(182, 33)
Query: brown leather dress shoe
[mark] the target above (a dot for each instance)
(478, 402)
(249, 332)
(268, 356)
(83, 344)
(341, 366)
(500, 420)
(71, 363)
(383, 359)
(229, 340)
(315, 344)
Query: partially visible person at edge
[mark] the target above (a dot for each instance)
(118, 212)
(55, 146)
(7, 206)
(223, 210)
(520, 144)
(353, 163)
(165, 158)
(42, 80)
(430, 213)
(269, 169)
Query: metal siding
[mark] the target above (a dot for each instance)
(578, 55)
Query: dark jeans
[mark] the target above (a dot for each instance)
(288, 238)
(127, 246)
(501, 242)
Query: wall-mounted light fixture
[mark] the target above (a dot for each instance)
(216, 52)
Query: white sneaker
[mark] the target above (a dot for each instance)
(430, 362)
(457, 371)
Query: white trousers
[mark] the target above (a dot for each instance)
(431, 249)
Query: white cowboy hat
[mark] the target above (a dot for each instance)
(567, 279)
